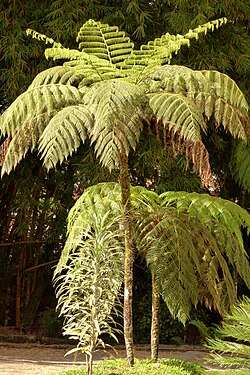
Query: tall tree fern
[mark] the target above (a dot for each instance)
(107, 90)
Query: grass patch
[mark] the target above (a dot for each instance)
(142, 367)
(228, 372)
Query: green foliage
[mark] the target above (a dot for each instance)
(112, 111)
(239, 164)
(189, 243)
(233, 337)
(88, 284)
(143, 367)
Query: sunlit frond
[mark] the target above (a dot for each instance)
(64, 134)
(119, 108)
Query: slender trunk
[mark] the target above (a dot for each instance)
(89, 361)
(18, 300)
(155, 323)
(129, 259)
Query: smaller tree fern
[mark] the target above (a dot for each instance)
(233, 337)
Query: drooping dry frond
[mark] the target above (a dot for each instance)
(3, 150)
(64, 134)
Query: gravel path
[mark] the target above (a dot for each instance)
(28, 359)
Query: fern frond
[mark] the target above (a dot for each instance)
(34, 34)
(28, 116)
(118, 107)
(174, 247)
(240, 164)
(227, 214)
(50, 76)
(178, 114)
(162, 49)
(64, 133)
(24, 139)
(104, 41)
(233, 337)
(98, 200)
(36, 101)
(226, 88)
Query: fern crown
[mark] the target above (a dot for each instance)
(107, 90)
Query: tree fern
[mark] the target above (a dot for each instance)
(189, 253)
(114, 86)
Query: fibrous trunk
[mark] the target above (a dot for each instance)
(129, 259)
(155, 324)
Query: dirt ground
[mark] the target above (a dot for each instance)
(35, 359)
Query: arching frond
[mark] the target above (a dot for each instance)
(207, 207)
(64, 133)
(104, 41)
(29, 114)
(34, 34)
(178, 114)
(50, 76)
(161, 49)
(229, 216)
(24, 139)
(176, 249)
(175, 79)
(36, 101)
(240, 164)
(97, 200)
(226, 88)
(119, 108)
